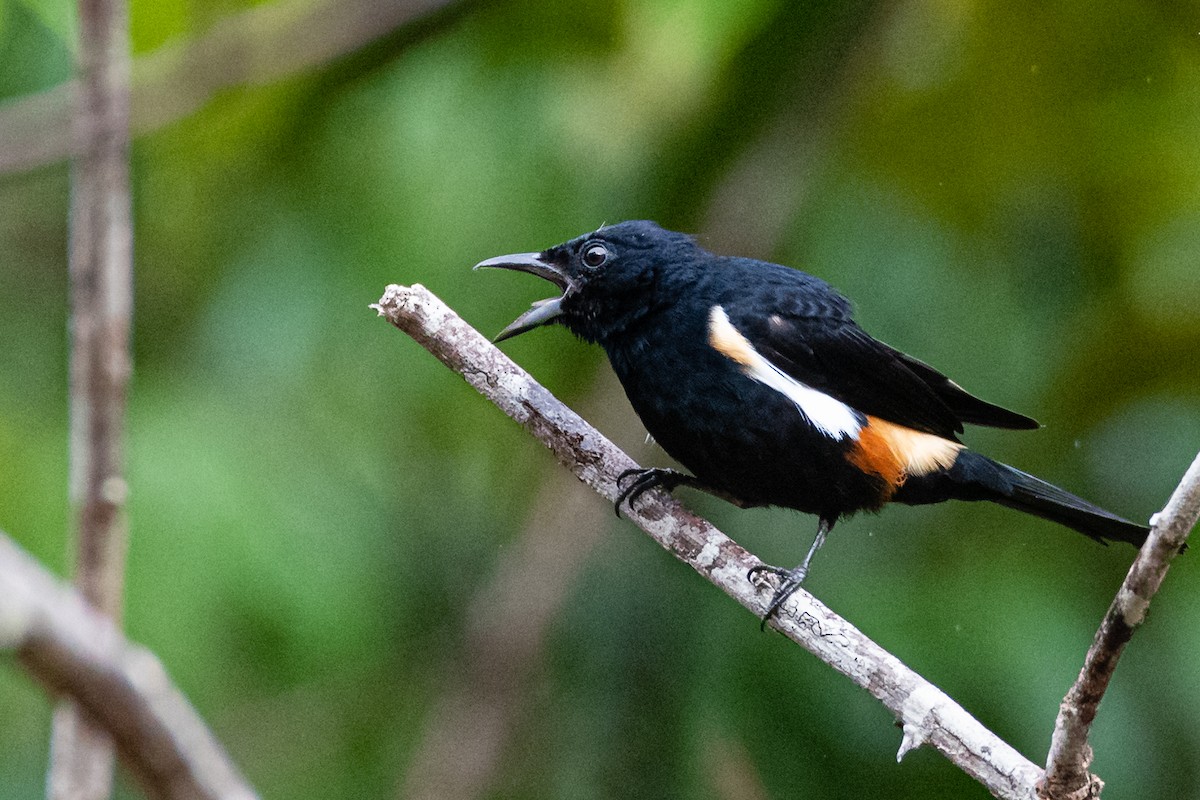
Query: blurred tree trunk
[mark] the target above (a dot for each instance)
(81, 754)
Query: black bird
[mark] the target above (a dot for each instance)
(756, 378)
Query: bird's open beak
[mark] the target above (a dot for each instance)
(543, 311)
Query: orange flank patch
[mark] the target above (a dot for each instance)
(894, 452)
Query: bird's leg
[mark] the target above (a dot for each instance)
(791, 578)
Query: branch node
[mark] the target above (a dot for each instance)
(1051, 789)
(918, 716)
(914, 737)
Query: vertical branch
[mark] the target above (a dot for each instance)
(81, 755)
(101, 300)
(1067, 776)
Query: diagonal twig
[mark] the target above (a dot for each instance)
(1067, 776)
(76, 651)
(927, 715)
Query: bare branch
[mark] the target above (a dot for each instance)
(1067, 776)
(75, 650)
(101, 271)
(257, 46)
(101, 301)
(928, 716)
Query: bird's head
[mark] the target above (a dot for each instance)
(609, 278)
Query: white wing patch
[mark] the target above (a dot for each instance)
(829, 415)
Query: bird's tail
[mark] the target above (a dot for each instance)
(976, 477)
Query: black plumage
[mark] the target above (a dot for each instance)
(756, 378)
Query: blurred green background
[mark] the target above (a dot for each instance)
(373, 584)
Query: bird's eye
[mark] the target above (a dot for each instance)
(595, 255)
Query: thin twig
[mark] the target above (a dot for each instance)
(1067, 776)
(928, 716)
(81, 757)
(76, 651)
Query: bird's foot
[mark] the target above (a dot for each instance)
(643, 480)
(790, 579)
(789, 582)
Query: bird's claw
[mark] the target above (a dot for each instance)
(790, 580)
(643, 481)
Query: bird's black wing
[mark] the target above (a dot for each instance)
(966, 406)
(805, 328)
